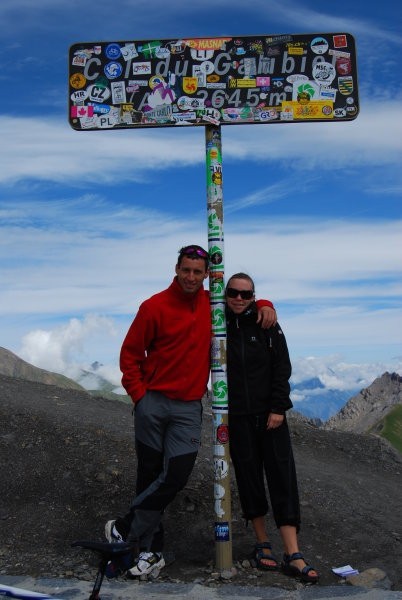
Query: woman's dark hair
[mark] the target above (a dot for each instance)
(241, 276)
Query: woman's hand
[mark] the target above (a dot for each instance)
(274, 420)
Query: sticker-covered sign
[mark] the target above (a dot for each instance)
(223, 81)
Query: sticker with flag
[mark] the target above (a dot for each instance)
(149, 50)
(82, 111)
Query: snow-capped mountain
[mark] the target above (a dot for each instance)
(320, 387)
(312, 399)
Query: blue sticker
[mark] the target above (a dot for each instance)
(113, 51)
(222, 532)
(100, 109)
(113, 70)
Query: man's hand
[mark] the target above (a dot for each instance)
(274, 421)
(266, 317)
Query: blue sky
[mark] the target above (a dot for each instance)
(91, 221)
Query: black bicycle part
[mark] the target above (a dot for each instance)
(107, 551)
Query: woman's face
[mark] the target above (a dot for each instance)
(237, 304)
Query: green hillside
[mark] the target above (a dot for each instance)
(392, 427)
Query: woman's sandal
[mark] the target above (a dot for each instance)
(259, 556)
(302, 574)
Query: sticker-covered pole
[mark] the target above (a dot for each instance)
(222, 498)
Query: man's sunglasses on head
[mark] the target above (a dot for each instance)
(191, 250)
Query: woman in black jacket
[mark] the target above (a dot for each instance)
(258, 372)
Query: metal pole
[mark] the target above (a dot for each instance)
(222, 496)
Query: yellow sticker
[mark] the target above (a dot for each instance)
(155, 80)
(77, 81)
(315, 109)
(190, 85)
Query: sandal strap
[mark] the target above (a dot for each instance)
(287, 558)
(260, 555)
(306, 570)
(263, 545)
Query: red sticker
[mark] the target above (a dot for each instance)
(222, 434)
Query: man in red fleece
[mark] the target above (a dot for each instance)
(165, 361)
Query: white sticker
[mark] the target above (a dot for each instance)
(218, 509)
(187, 103)
(79, 96)
(296, 77)
(98, 93)
(219, 450)
(201, 55)
(324, 73)
(129, 51)
(118, 92)
(221, 468)
(219, 491)
(207, 67)
(142, 68)
(109, 120)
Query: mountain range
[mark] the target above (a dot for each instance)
(318, 401)
(310, 397)
(376, 409)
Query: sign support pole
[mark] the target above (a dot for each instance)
(221, 457)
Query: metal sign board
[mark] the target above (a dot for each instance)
(220, 81)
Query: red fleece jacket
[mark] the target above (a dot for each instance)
(167, 347)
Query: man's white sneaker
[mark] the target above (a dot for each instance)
(147, 562)
(111, 533)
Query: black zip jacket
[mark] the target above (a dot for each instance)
(258, 366)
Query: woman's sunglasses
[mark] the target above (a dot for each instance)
(244, 294)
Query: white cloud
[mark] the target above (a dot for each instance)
(64, 348)
(47, 149)
(337, 374)
(305, 258)
(371, 139)
(61, 264)
(359, 332)
(68, 349)
(300, 17)
(296, 17)
(342, 292)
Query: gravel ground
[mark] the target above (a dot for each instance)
(68, 466)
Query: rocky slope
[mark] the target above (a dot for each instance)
(68, 466)
(362, 412)
(13, 366)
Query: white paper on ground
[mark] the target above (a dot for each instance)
(345, 571)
